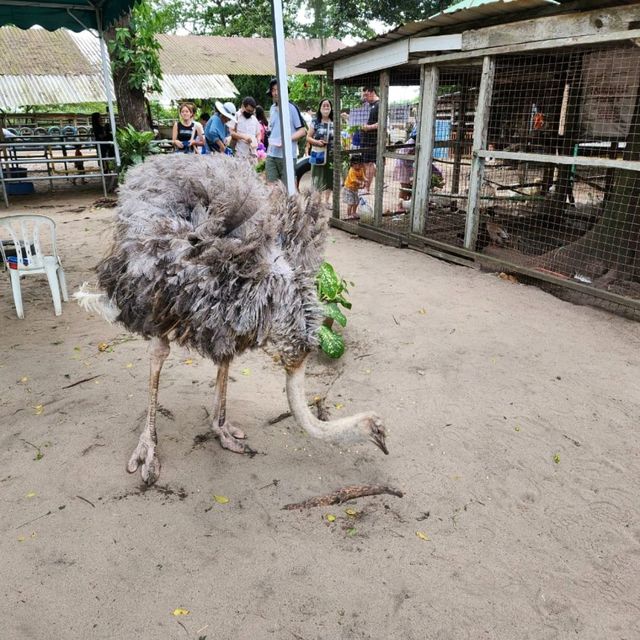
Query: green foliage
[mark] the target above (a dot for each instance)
(254, 86)
(226, 17)
(329, 18)
(331, 343)
(331, 289)
(134, 47)
(134, 146)
(307, 91)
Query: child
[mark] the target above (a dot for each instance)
(355, 180)
(79, 164)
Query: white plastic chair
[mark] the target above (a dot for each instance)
(25, 232)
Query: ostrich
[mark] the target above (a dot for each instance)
(205, 255)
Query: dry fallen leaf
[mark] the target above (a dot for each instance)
(422, 536)
(246, 372)
(339, 405)
(21, 538)
(221, 499)
(129, 365)
(188, 361)
(180, 612)
(31, 494)
(103, 346)
(331, 517)
(351, 512)
(422, 312)
(39, 409)
(24, 379)
(556, 458)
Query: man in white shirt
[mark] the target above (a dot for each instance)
(245, 130)
(274, 166)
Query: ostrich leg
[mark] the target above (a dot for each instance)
(228, 435)
(145, 452)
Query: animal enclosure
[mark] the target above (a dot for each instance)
(525, 157)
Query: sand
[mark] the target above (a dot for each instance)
(512, 417)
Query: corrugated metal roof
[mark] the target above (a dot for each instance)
(16, 91)
(177, 87)
(236, 56)
(40, 52)
(44, 67)
(459, 14)
(472, 10)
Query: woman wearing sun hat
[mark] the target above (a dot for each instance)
(216, 132)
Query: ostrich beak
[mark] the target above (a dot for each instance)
(379, 441)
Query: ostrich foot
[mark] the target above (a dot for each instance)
(145, 453)
(231, 438)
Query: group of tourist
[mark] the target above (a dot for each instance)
(247, 133)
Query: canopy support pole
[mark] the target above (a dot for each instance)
(283, 95)
(107, 84)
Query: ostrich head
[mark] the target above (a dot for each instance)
(362, 427)
(369, 427)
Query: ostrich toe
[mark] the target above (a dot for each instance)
(231, 438)
(145, 453)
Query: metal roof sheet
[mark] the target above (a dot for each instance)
(17, 91)
(49, 67)
(236, 56)
(459, 14)
(180, 87)
(473, 10)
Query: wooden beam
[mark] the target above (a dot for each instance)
(555, 43)
(417, 242)
(582, 23)
(580, 161)
(452, 42)
(425, 139)
(384, 57)
(480, 126)
(382, 145)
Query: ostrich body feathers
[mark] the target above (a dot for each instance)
(205, 254)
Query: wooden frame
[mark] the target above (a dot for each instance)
(480, 126)
(430, 78)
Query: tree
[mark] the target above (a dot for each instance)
(225, 17)
(328, 19)
(135, 62)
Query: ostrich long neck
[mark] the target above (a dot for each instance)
(340, 431)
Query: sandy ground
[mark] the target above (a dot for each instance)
(513, 420)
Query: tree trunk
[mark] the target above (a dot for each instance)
(131, 102)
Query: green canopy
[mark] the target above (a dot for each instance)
(76, 15)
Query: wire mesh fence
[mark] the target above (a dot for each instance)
(535, 165)
(562, 195)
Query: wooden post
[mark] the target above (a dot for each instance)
(337, 150)
(460, 132)
(480, 125)
(429, 79)
(381, 147)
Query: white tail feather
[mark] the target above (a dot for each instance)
(96, 302)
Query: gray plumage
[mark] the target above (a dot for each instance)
(205, 254)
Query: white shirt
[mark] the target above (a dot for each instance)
(249, 126)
